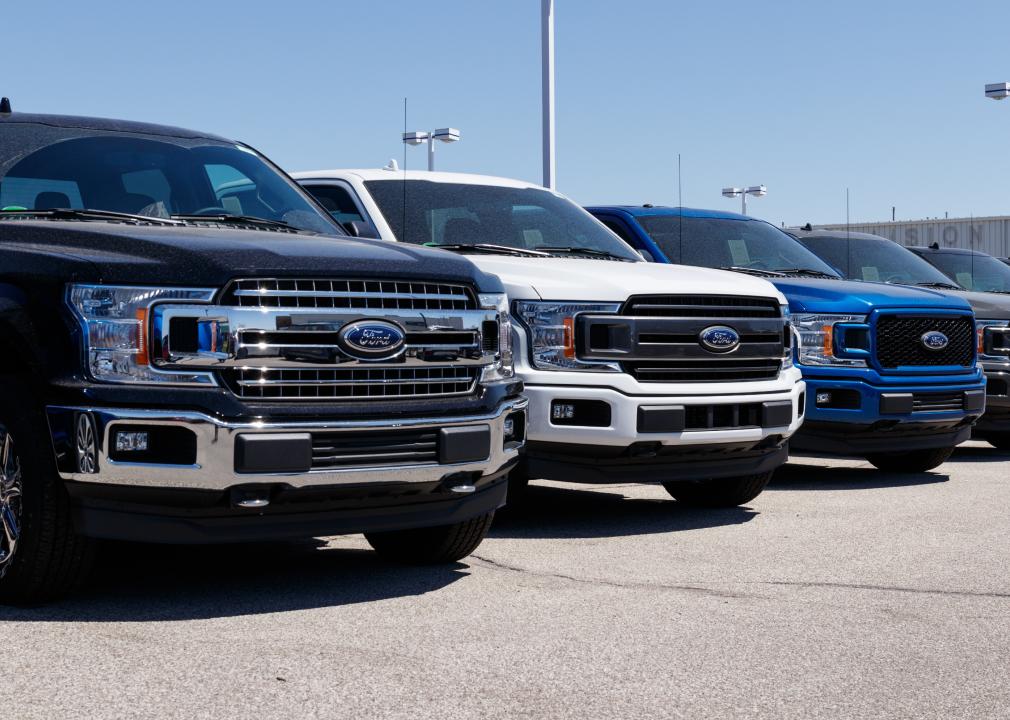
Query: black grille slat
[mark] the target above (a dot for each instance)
(373, 449)
(937, 402)
(722, 417)
(718, 307)
(899, 341)
(704, 371)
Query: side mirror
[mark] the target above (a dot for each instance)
(363, 229)
(647, 256)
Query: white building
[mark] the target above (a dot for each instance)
(988, 234)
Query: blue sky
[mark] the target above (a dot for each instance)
(885, 98)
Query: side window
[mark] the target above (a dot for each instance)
(337, 201)
(39, 193)
(618, 229)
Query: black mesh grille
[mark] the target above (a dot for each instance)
(349, 294)
(350, 384)
(710, 417)
(899, 341)
(717, 307)
(371, 449)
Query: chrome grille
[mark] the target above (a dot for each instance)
(351, 383)
(348, 294)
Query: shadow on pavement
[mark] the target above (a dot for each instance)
(141, 583)
(808, 474)
(561, 512)
(980, 453)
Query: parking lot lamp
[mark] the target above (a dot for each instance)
(742, 193)
(446, 135)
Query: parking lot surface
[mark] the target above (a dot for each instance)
(840, 592)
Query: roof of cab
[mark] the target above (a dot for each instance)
(801, 233)
(664, 210)
(90, 123)
(370, 174)
(945, 251)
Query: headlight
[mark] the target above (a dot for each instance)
(504, 366)
(787, 357)
(551, 330)
(993, 339)
(817, 340)
(115, 324)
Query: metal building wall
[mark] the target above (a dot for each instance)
(990, 234)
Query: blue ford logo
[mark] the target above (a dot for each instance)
(371, 339)
(719, 338)
(934, 340)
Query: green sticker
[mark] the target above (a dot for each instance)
(14, 208)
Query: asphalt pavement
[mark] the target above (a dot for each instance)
(841, 592)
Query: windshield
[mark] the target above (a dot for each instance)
(982, 273)
(875, 260)
(46, 168)
(440, 213)
(729, 243)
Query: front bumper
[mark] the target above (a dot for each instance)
(227, 453)
(997, 400)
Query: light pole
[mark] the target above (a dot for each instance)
(446, 135)
(547, 88)
(755, 190)
(997, 91)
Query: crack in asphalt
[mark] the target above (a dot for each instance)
(610, 583)
(725, 593)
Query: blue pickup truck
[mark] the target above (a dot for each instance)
(891, 371)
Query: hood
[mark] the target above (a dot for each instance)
(987, 305)
(859, 298)
(210, 257)
(530, 278)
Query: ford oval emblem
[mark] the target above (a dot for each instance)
(719, 338)
(934, 340)
(371, 339)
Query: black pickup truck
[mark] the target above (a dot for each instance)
(190, 357)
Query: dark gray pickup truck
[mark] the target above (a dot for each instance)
(191, 357)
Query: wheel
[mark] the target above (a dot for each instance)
(910, 462)
(724, 492)
(41, 557)
(998, 440)
(434, 545)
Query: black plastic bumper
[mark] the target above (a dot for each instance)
(850, 439)
(199, 517)
(581, 464)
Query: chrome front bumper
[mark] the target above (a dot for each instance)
(215, 455)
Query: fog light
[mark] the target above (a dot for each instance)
(509, 428)
(131, 441)
(562, 411)
(823, 398)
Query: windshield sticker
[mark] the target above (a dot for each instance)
(871, 274)
(964, 280)
(738, 249)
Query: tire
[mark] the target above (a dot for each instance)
(49, 559)
(911, 462)
(1000, 441)
(724, 492)
(433, 545)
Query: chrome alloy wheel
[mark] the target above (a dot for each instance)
(87, 450)
(10, 500)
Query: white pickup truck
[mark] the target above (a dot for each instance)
(635, 371)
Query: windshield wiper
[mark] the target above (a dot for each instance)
(88, 214)
(235, 220)
(939, 285)
(751, 271)
(548, 249)
(808, 271)
(489, 248)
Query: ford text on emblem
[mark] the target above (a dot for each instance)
(719, 338)
(371, 339)
(934, 340)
